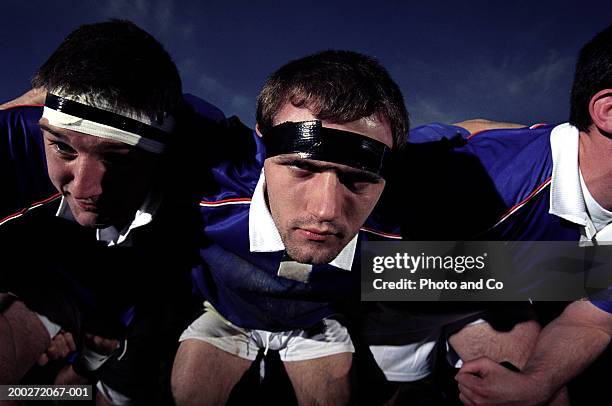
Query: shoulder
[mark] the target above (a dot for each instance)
(23, 113)
(32, 228)
(518, 161)
(436, 132)
(515, 160)
(44, 208)
(22, 159)
(457, 183)
(19, 124)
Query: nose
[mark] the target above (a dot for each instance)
(88, 174)
(326, 194)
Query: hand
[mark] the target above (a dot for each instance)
(61, 345)
(95, 352)
(68, 376)
(101, 345)
(485, 382)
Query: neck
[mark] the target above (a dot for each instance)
(121, 224)
(594, 157)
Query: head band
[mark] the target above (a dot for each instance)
(72, 115)
(311, 140)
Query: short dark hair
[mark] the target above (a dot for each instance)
(115, 63)
(339, 86)
(593, 73)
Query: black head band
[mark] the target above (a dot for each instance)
(313, 141)
(105, 117)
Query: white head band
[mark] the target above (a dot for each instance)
(121, 126)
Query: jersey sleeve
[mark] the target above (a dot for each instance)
(605, 305)
(23, 168)
(436, 132)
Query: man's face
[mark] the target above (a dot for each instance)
(318, 206)
(104, 181)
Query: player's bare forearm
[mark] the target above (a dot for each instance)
(569, 344)
(480, 124)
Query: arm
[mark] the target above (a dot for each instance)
(34, 96)
(570, 343)
(564, 349)
(480, 124)
(23, 338)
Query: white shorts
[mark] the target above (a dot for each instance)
(114, 397)
(411, 362)
(405, 363)
(296, 345)
(51, 327)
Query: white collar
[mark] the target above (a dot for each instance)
(264, 236)
(566, 195)
(110, 235)
(64, 210)
(566, 199)
(600, 216)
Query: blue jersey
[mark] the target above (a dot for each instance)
(23, 167)
(244, 286)
(514, 170)
(61, 270)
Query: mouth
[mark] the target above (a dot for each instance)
(87, 205)
(315, 234)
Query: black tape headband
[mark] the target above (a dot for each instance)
(105, 117)
(313, 141)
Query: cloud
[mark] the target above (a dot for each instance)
(428, 111)
(544, 76)
(179, 35)
(157, 16)
(516, 87)
(211, 85)
(241, 102)
(524, 89)
(230, 101)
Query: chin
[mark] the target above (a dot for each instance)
(312, 256)
(90, 221)
(92, 224)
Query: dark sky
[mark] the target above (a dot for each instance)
(505, 60)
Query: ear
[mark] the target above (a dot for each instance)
(257, 131)
(600, 109)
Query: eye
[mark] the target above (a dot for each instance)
(117, 159)
(357, 183)
(64, 150)
(301, 168)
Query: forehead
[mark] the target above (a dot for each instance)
(81, 141)
(371, 126)
(288, 159)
